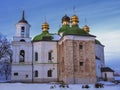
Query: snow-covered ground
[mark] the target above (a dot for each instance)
(21, 86)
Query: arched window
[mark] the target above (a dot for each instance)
(36, 56)
(36, 73)
(22, 40)
(22, 56)
(49, 73)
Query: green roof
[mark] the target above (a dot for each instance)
(75, 30)
(97, 42)
(44, 36)
(63, 28)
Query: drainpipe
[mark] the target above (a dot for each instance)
(73, 63)
(32, 64)
(57, 63)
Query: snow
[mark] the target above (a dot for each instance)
(56, 37)
(107, 83)
(117, 78)
(24, 86)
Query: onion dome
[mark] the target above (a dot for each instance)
(86, 28)
(74, 20)
(45, 26)
(45, 35)
(65, 20)
(23, 19)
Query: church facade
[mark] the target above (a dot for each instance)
(72, 56)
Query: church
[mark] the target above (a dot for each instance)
(73, 55)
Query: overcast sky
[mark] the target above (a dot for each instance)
(103, 18)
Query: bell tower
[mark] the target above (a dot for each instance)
(22, 30)
(22, 52)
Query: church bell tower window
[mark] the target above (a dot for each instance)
(22, 28)
(22, 31)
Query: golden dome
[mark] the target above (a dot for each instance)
(86, 28)
(45, 26)
(74, 20)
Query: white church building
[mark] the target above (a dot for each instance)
(72, 56)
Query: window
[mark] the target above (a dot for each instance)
(22, 31)
(36, 73)
(22, 40)
(81, 63)
(26, 76)
(15, 74)
(80, 46)
(62, 65)
(22, 28)
(49, 73)
(22, 56)
(36, 56)
(50, 55)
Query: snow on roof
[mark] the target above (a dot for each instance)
(56, 37)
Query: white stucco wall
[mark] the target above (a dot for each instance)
(74, 37)
(26, 46)
(43, 69)
(18, 29)
(22, 68)
(43, 64)
(110, 76)
(43, 47)
(20, 38)
(98, 69)
(100, 53)
(22, 71)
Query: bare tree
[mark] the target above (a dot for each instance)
(7, 69)
(5, 56)
(5, 47)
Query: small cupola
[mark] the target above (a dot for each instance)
(86, 28)
(65, 20)
(74, 20)
(45, 26)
